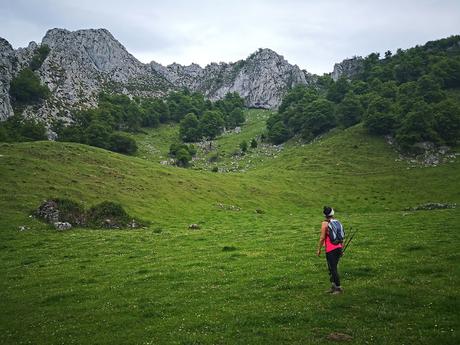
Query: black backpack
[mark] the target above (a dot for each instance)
(335, 231)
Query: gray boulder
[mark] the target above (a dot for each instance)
(62, 226)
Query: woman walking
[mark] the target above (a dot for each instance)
(333, 251)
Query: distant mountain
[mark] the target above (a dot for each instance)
(261, 79)
(83, 63)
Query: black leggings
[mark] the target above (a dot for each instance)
(333, 258)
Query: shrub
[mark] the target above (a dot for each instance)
(39, 56)
(104, 215)
(98, 134)
(107, 214)
(71, 211)
(26, 89)
(17, 129)
(189, 128)
(278, 133)
(123, 144)
(183, 157)
(211, 124)
(253, 143)
(182, 153)
(243, 146)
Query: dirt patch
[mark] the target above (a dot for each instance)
(336, 336)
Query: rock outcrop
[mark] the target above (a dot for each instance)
(261, 79)
(82, 63)
(348, 68)
(6, 72)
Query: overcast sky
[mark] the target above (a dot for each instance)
(313, 34)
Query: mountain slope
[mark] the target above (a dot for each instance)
(261, 79)
(83, 63)
(244, 276)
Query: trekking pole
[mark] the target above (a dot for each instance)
(349, 240)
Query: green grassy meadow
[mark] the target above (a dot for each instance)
(244, 277)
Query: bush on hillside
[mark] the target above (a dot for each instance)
(18, 129)
(121, 143)
(39, 56)
(26, 89)
(182, 153)
(108, 214)
(103, 215)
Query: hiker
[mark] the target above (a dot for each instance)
(333, 251)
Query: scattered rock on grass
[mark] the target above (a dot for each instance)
(61, 226)
(194, 227)
(228, 207)
(431, 206)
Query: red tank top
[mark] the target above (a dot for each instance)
(328, 244)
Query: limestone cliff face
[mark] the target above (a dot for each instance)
(348, 68)
(6, 72)
(262, 79)
(83, 63)
(80, 64)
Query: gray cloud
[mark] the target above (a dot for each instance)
(311, 34)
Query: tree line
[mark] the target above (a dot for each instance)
(104, 126)
(412, 95)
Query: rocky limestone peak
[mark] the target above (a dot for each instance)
(265, 54)
(348, 68)
(5, 46)
(262, 78)
(82, 63)
(96, 47)
(6, 72)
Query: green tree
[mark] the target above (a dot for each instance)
(448, 71)
(17, 129)
(338, 90)
(350, 110)
(98, 134)
(319, 117)
(417, 126)
(122, 143)
(189, 130)
(447, 117)
(26, 89)
(211, 124)
(182, 153)
(429, 89)
(235, 118)
(278, 133)
(380, 118)
(183, 157)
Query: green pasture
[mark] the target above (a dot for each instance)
(244, 277)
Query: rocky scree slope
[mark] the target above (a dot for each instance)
(83, 63)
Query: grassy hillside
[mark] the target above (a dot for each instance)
(243, 277)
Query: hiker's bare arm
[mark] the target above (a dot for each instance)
(322, 238)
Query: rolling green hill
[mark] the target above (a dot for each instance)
(244, 277)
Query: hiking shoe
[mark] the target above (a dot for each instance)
(331, 290)
(337, 291)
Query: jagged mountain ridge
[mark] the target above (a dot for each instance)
(261, 79)
(82, 63)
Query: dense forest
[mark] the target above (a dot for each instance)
(412, 95)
